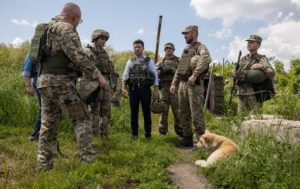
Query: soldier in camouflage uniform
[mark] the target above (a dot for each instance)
(56, 84)
(101, 109)
(166, 69)
(247, 100)
(194, 63)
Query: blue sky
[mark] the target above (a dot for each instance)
(223, 24)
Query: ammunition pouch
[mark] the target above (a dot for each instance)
(76, 111)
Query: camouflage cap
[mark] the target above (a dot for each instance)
(169, 45)
(99, 32)
(254, 38)
(190, 28)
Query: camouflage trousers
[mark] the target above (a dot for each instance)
(191, 100)
(54, 100)
(170, 100)
(249, 105)
(101, 113)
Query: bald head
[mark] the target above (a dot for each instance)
(70, 9)
(71, 13)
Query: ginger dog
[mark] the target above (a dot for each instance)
(222, 146)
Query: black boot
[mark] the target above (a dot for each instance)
(187, 141)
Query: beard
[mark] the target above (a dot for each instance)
(188, 40)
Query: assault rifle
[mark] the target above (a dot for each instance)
(235, 78)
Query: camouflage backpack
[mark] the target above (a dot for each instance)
(38, 42)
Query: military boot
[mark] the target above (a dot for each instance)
(187, 141)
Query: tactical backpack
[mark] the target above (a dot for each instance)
(38, 42)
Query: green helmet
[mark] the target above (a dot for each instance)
(254, 76)
(169, 45)
(98, 32)
(158, 106)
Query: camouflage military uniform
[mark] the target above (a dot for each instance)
(166, 69)
(247, 101)
(57, 87)
(101, 111)
(247, 96)
(191, 97)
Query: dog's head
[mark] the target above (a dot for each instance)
(205, 140)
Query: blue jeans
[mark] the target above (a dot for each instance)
(37, 124)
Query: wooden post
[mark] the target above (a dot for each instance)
(157, 39)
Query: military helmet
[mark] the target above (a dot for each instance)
(99, 32)
(254, 76)
(158, 106)
(87, 87)
(169, 45)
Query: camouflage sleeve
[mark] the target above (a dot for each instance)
(175, 81)
(203, 62)
(267, 67)
(71, 45)
(112, 74)
(159, 68)
(159, 65)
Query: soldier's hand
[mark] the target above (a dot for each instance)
(124, 90)
(192, 79)
(30, 90)
(112, 93)
(124, 93)
(156, 92)
(257, 67)
(172, 89)
(102, 81)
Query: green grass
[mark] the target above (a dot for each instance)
(120, 161)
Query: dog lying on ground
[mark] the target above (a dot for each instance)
(222, 146)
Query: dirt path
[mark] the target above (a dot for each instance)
(186, 175)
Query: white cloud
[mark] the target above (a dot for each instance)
(24, 22)
(280, 40)
(234, 47)
(85, 41)
(297, 2)
(17, 42)
(230, 11)
(141, 31)
(223, 33)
